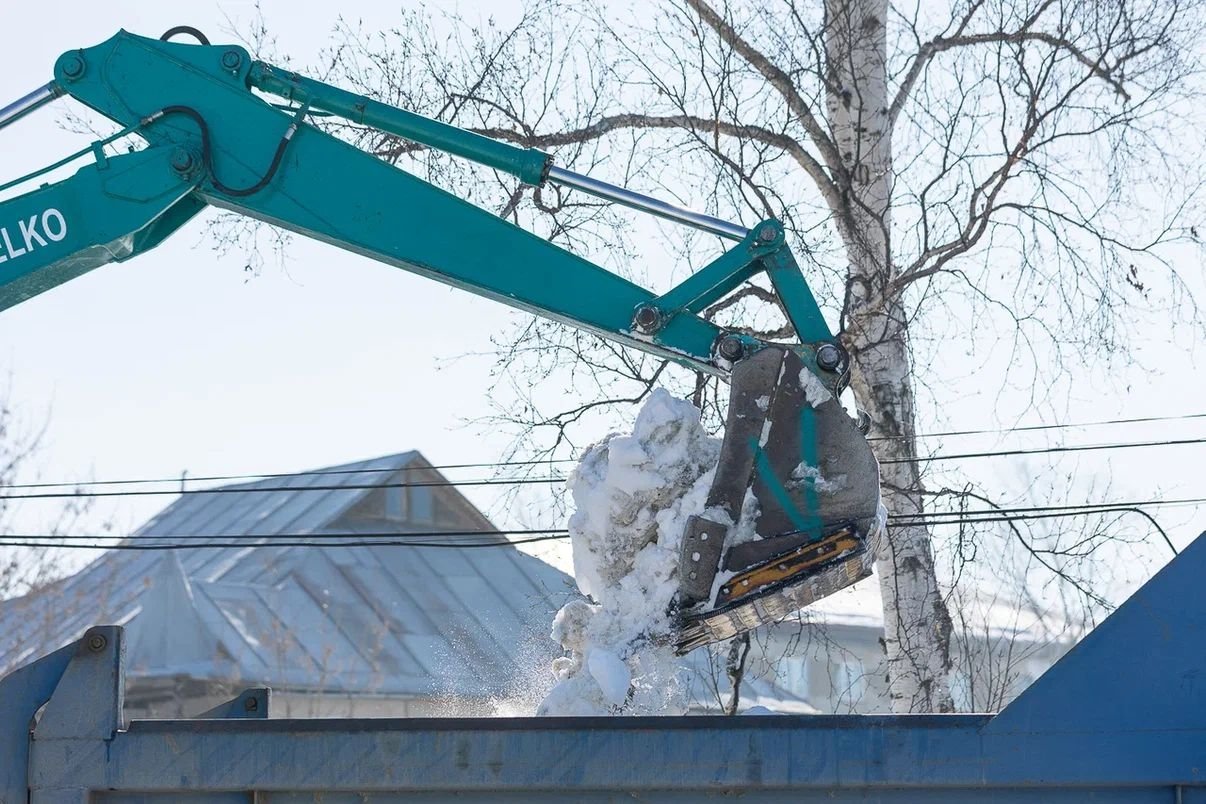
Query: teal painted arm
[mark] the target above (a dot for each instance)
(107, 212)
(213, 141)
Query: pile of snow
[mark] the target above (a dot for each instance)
(632, 496)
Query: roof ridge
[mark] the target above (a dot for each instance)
(351, 467)
(349, 484)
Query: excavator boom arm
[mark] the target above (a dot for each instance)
(212, 140)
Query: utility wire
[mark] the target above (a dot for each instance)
(550, 461)
(50, 495)
(1046, 450)
(392, 539)
(1057, 508)
(26, 541)
(904, 520)
(334, 539)
(80, 493)
(283, 475)
(1056, 426)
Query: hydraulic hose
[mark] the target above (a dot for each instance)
(207, 152)
(184, 29)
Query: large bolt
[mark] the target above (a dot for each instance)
(252, 704)
(231, 59)
(731, 348)
(97, 643)
(647, 319)
(182, 160)
(829, 357)
(767, 233)
(73, 67)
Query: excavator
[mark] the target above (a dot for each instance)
(219, 128)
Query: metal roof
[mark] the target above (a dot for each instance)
(384, 619)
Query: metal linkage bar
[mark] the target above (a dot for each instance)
(33, 101)
(526, 163)
(530, 165)
(654, 206)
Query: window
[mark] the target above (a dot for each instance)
(395, 504)
(420, 504)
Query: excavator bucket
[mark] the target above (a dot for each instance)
(793, 511)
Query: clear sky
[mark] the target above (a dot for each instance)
(183, 361)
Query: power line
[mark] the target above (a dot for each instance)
(80, 493)
(1057, 426)
(283, 475)
(332, 538)
(50, 495)
(551, 461)
(394, 539)
(1053, 515)
(1045, 450)
(27, 541)
(1056, 508)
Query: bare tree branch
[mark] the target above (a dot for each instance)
(941, 44)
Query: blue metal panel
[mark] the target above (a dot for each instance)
(636, 755)
(1145, 664)
(22, 692)
(789, 796)
(1063, 742)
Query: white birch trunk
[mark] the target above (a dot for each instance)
(917, 626)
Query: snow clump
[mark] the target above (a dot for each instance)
(632, 496)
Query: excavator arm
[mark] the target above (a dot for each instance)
(212, 139)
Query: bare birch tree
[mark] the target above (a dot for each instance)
(980, 171)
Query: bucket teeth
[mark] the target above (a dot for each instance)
(836, 562)
(790, 444)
